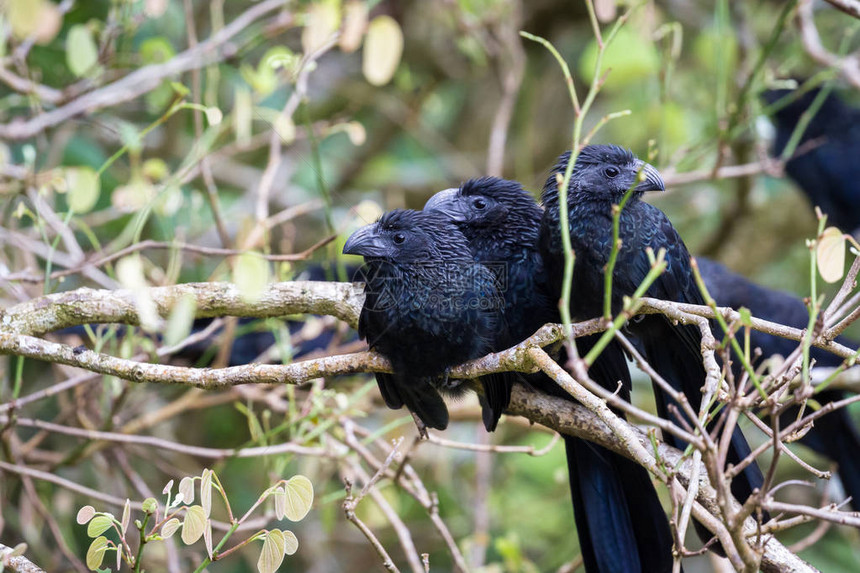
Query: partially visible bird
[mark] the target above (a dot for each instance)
(834, 435)
(620, 523)
(601, 177)
(428, 307)
(828, 171)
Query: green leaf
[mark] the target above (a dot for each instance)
(98, 525)
(831, 254)
(150, 505)
(383, 47)
(178, 327)
(746, 316)
(156, 50)
(291, 542)
(272, 554)
(299, 497)
(193, 524)
(84, 188)
(85, 514)
(170, 527)
(96, 553)
(82, 54)
(251, 276)
(17, 550)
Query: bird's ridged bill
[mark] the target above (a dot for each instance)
(652, 180)
(365, 242)
(448, 202)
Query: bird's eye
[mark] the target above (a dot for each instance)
(611, 171)
(399, 238)
(479, 203)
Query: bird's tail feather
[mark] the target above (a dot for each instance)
(496, 397)
(419, 396)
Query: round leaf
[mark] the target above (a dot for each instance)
(831, 254)
(17, 550)
(193, 524)
(272, 554)
(96, 552)
(299, 497)
(251, 275)
(150, 505)
(354, 25)
(321, 21)
(98, 525)
(169, 528)
(382, 50)
(82, 54)
(85, 514)
(214, 115)
(84, 188)
(291, 542)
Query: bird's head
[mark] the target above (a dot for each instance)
(604, 173)
(406, 236)
(486, 202)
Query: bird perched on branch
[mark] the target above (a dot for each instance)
(620, 522)
(428, 306)
(834, 435)
(826, 165)
(602, 175)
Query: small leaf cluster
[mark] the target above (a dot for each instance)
(292, 499)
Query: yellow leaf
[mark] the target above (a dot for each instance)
(98, 525)
(321, 21)
(272, 554)
(299, 497)
(83, 188)
(186, 484)
(291, 542)
(383, 47)
(193, 524)
(82, 54)
(831, 254)
(96, 552)
(354, 25)
(206, 491)
(169, 528)
(251, 275)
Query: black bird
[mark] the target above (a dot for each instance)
(834, 435)
(829, 171)
(615, 505)
(601, 176)
(428, 307)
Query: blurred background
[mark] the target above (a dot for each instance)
(280, 151)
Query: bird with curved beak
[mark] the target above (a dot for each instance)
(601, 176)
(428, 306)
(620, 522)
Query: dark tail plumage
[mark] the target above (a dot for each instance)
(673, 352)
(619, 519)
(420, 397)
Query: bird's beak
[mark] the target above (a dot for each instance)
(651, 178)
(365, 242)
(447, 202)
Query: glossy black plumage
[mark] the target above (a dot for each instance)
(428, 306)
(601, 177)
(828, 172)
(620, 522)
(834, 435)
